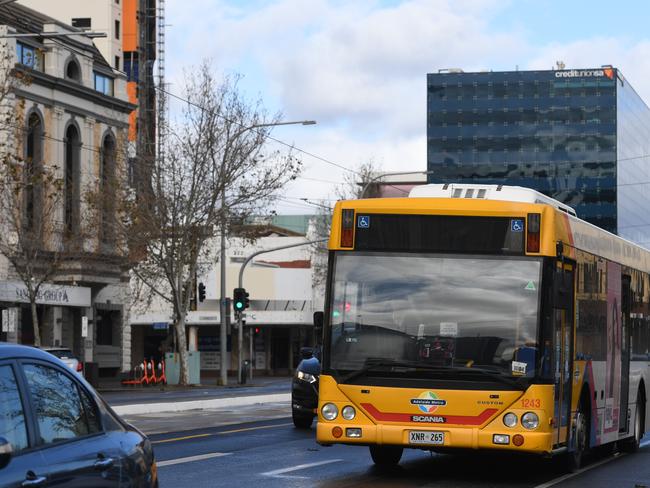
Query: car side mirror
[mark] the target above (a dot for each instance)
(319, 318)
(306, 352)
(6, 452)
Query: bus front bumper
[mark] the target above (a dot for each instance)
(454, 437)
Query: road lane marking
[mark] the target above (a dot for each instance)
(246, 429)
(189, 459)
(280, 473)
(580, 471)
(253, 428)
(174, 439)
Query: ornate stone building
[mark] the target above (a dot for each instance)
(68, 112)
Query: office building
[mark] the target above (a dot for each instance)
(581, 136)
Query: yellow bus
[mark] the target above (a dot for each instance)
(482, 317)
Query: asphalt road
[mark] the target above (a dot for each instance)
(271, 453)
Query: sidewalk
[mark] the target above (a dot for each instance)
(158, 399)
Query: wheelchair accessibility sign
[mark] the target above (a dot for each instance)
(363, 221)
(517, 225)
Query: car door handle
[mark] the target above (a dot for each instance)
(32, 480)
(103, 464)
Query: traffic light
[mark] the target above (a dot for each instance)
(201, 292)
(240, 300)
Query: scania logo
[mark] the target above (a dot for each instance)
(586, 73)
(428, 402)
(434, 419)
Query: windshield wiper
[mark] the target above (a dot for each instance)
(372, 364)
(499, 376)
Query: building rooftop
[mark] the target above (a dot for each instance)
(27, 21)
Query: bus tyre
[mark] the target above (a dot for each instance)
(632, 444)
(581, 438)
(301, 420)
(386, 455)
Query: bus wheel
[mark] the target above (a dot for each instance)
(302, 421)
(632, 444)
(386, 455)
(581, 439)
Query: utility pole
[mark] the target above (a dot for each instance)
(223, 336)
(240, 325)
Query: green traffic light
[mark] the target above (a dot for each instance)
(239, 305)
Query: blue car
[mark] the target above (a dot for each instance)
(55, 430)
(304, 389)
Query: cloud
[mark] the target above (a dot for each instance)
(367, 68)
(359, 68)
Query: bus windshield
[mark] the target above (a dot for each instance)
(434, 313)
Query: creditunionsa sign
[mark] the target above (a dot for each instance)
(586, 73)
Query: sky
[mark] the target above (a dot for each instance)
(359, 67)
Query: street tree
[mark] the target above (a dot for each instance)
(216, 169)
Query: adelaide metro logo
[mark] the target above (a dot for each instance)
(428, 402)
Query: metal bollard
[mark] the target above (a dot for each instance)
(244, 371)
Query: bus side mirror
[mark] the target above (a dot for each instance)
(562, 289)
(319, 318)
(306, 352)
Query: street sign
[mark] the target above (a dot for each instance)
(84, 326)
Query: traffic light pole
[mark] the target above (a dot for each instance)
(240, 328)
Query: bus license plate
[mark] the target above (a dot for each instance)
(426, 437)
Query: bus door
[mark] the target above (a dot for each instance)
(563, 321)
(626, 336)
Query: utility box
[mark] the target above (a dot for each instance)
(173, 367)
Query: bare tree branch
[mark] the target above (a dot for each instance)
(213, 154)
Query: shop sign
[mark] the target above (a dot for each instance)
(48, 294)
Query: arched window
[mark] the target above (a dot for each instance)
(72, 155)
(107, 181)
(73, 70)
(32, 170)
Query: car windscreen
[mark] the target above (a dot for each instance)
(441, 311)
(61, 353)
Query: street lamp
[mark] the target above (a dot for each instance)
(223, 337)
(240, 325)
(378, 177)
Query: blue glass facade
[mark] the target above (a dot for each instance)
(558, 132)
(633, 164)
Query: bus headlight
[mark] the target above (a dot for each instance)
(329, 411)
(348, 412)
(530, 420)
(510, 419)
